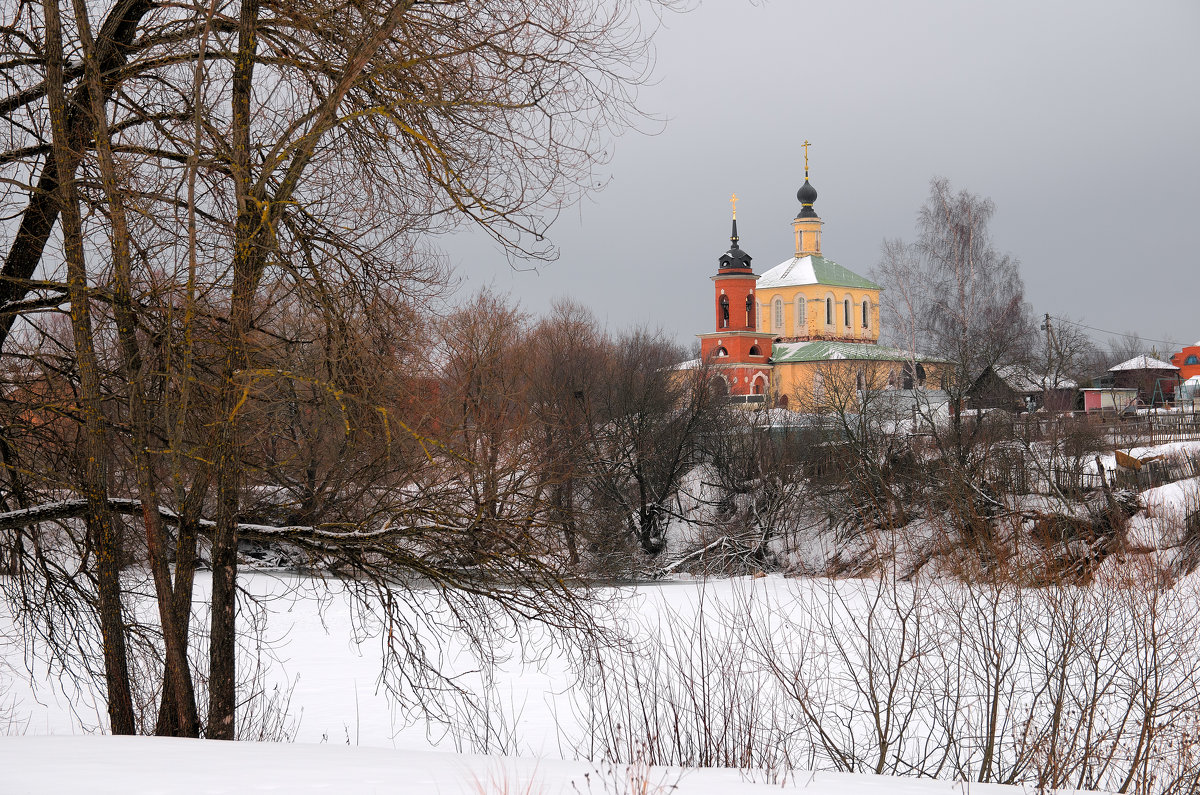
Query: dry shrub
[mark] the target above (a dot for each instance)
(1094, 687)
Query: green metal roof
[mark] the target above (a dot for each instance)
(813, 269)
(829, 272)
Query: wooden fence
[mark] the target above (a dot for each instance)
(1145, 429)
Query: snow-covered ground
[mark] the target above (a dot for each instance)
(350, 738)
(102, 765)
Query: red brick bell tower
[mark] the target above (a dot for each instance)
(737, 352)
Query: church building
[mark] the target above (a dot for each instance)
(780, 336)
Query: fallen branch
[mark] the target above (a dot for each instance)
(720, 542)
(77, 509)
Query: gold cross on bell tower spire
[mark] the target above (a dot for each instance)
(733, 203)
(806, 144)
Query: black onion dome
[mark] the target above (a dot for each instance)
(735, 257)
(807, 196)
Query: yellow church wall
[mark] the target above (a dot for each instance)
(839, 381)
(814, 321)
(797, 381)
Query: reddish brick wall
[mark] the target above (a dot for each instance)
(736, 290)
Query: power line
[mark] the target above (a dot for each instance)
(1175, 343)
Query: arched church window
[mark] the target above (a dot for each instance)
(866, 312)
(829, 310)
(846, 313)
(800, 315)
(724, 319)
(722, 352)
(750, 310)
(754, 351)
(777, 311)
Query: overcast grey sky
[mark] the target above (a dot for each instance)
(1080, 120)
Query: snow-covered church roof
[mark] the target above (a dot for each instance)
(813, 269)
(828, 350)
(1143, 363)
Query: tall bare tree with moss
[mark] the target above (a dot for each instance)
(241, 146)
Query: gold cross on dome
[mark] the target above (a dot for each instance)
(806, 144)
(733, 203)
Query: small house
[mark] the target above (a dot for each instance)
(1154, 379)
(1115, 400)
(1019, 388)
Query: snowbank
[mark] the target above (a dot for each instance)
(101, 765)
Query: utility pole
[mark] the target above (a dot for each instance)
(1048, 381)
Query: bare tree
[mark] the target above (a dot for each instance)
(644, 425)
(240, 152)
(567, 351)
(953, 295)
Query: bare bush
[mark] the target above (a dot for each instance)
(1056, 687)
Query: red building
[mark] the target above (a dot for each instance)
(1188, 361)
(739, 355)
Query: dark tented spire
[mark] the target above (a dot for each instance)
(734, 257)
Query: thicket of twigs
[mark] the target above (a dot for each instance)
(1055, 687)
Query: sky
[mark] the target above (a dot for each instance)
(1080, 120)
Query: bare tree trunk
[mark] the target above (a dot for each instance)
(177, 668)
(100, 520)
(222, 675)
(190, 497)
(253, 233)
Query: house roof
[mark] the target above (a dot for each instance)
(813, 269)
(1024, 380)
(690, 364)
(1143, 363)
(826, 350)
